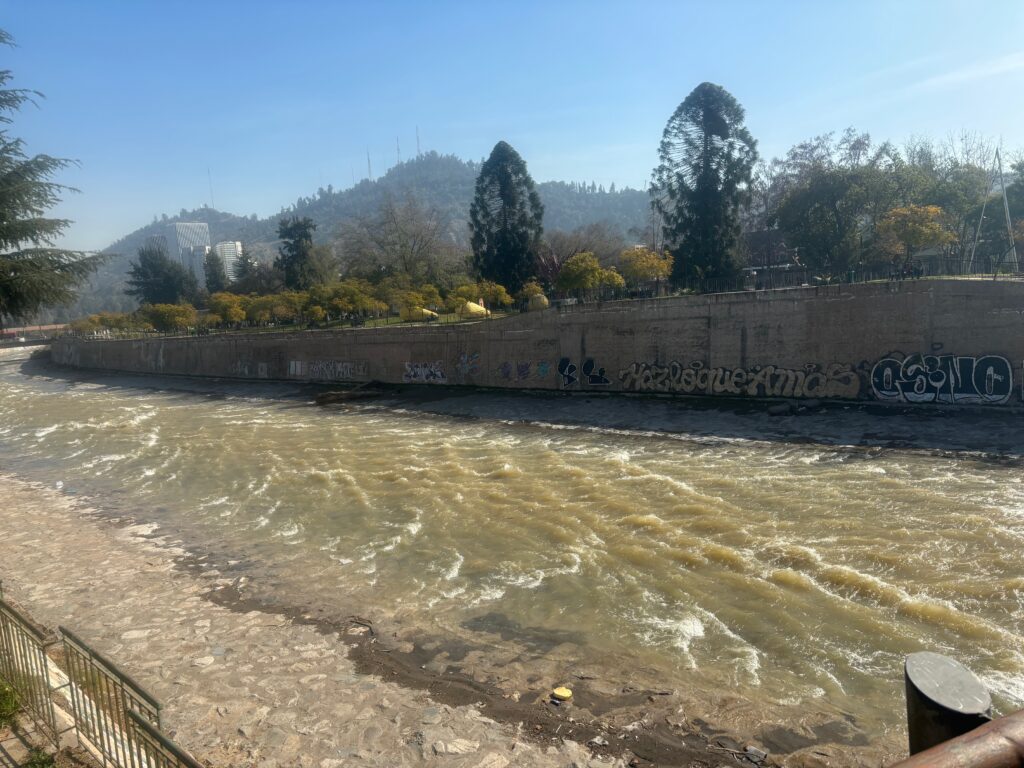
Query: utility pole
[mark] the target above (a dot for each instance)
(417, 141)
(369, 170)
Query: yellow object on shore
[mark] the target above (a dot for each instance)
(561, 693)
(472, 309)
(407, 314)
(537, 302)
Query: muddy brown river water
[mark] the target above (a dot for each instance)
(776, 569)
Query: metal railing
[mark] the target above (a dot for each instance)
(23, 665)
(155, 750)
(112, 715)
(103, 700)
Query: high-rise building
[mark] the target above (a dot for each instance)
(188, 242)
(229, 251)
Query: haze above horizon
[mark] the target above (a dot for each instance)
(265, 102)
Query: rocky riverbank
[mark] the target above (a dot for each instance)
(245, 687)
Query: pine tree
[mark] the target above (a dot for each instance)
(157, 279)
(505, 220)
(213, 271)
(245, 267)
(33, 272)
(295, 251)
(707, 158)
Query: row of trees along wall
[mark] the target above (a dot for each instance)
(833, 207)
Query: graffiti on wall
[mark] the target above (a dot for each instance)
(594, 375)
(567, 370)
(425, 373)
(467, 365)
(590, 373)
(832, 381)
(918, 378)
(523, 370)
(328, 370)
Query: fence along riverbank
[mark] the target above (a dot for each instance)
(112, 716)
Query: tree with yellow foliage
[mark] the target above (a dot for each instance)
(169, 317)
(230, 307)
(492, 294)
(641, 265)
(583, 272)
(909, 229)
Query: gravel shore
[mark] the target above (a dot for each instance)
(249, 687)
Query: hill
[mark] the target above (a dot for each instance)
(442, 182)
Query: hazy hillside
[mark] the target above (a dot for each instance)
(443, 182)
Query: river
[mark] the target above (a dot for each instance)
(775, 569)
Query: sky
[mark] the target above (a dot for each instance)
(247, 106)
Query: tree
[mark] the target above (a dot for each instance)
(487, 291)
(321, 267)
(822, 220)
(301, 263)
(584, 272)
(707, 158)
(505, 219)
(641, 265)
(33, 271)
(230, 307)
(213, 269)
(156, 279)
(827, 197)
(350, 296)
(262, 280)
(912, 227)
(245, 266)
(169, 317)
(597, 238)
(402, 237)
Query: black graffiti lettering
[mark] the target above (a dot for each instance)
(595, 375)
(567, 370)
(835, 381)
(943, 379)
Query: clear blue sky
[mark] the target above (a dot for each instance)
(279, 98)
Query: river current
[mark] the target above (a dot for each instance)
(735, 556)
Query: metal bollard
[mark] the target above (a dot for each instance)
(944, 700)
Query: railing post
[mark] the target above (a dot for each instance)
(944, 700)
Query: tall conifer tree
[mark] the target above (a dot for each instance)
(33, 272)
(707, 159)
(296, 247)
(505, 219)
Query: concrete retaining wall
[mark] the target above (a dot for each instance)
(927, 341)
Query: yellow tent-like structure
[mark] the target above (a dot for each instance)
(471, 310)
(409, 314)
